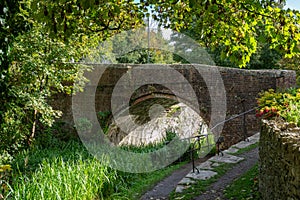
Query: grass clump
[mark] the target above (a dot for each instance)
(67, 171)
(61, 179)
(68, 174)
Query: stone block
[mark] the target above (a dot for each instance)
(202, 175)
(226, 158)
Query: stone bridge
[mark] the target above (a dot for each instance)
(217, 92)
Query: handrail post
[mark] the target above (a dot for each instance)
(244, 120)
(192, 153)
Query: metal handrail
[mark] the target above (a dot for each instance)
(220, 139)
(233, 117)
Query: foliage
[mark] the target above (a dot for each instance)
(39, 72)
(68, 173)
(104, 120)
(238, 26)
(292, 64)
(263, 58)
(59, 130)
(37, 52)
(10, 26)
(280, 104)
(137, 42)
(138, 57)
(84, 18)
(5, 176)
(185, 46)
(66, 170)
(5, 173)
(292, 113)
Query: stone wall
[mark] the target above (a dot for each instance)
(241, 89)
(279, 151)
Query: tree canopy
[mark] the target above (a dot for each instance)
(39, 39)
(236, 25)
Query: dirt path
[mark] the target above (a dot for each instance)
(215, 191)
(165, 187)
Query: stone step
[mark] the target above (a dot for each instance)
(206, 168)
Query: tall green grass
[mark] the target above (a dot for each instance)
(69, 174)
(61, 179)
(65, 170)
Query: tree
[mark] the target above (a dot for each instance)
(237, 26)
(292, 64)
(263, 58)
(137, 42)
(37, 58)
(10, 26)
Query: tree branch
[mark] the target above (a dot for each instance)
(257, 13)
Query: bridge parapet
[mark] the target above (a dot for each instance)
(241, 89)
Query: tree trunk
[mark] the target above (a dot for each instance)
(33, 127)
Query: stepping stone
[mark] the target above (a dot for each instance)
(180, 188)
(205, 168)
(226, 158)
(250, 140)
(202, 175)
(231, 150)
(205, 165)
(186, 181)
(215, 164)
(254, 138)
(242, 145)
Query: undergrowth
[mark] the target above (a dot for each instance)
(67, 171)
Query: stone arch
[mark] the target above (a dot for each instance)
(173, 116)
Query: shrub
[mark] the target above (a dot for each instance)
(285, 105)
